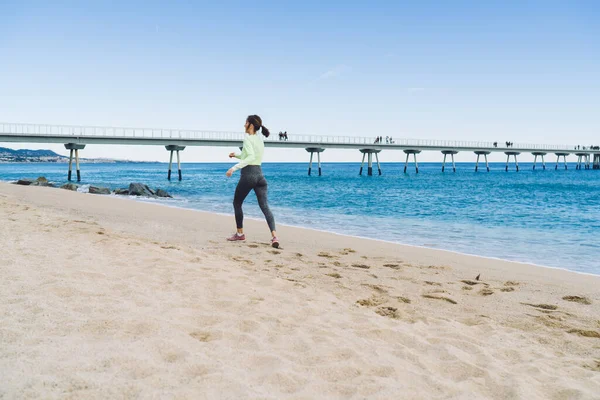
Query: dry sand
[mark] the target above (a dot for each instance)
(111, 298)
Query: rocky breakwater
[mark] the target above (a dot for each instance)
(134, 189)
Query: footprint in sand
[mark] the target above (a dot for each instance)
(542, 306)
(243, 260)
(432, 283)
(334, 275)
(371, 302)
(486, 292)
(392, 266)
(585, 333)
(473, 283)
(347, 251)
(376, 288)
(253, 246)
(325, 255)
(509, 286)
(274, 252)
(202, 336)
(390, 312)
(169, 247)
(551, 321)
(578, 299)
(402, 299)
(363, 266)
(449, 300)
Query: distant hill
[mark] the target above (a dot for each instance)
(4, 151)
(29, 156)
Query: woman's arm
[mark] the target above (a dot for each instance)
(249, 157)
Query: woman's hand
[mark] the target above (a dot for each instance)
(231, 155)
(229, 172)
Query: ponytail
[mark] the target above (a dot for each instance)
(265, 131)
(256, 122)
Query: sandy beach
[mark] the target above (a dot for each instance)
(104, 297)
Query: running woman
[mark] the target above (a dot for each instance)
(251, 177)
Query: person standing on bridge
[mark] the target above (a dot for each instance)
(251, 177)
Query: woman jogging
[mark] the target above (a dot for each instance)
(251, 177)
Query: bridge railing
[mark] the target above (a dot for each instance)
(181, 134)
(415, 142)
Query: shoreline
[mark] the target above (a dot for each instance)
(415, 250)
(164, 202)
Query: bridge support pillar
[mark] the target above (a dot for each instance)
(536, 155)
(582, 158)
(414, 153)
(451, 153)
(514, 154)
(313, 150)
(596, 164)
(174, 148)
(485, 154)
(369, 153)
(558, 156)
(74, 149)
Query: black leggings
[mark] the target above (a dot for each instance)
(252, 178)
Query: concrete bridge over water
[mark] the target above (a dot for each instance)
(75, 138)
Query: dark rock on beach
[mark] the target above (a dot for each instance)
(70, 186)
(142, 190)
(99, 190)
(41, 181)
(139, 189)
(162, 193)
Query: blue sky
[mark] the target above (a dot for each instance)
(526, 71)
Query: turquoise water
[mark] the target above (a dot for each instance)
(550, 218)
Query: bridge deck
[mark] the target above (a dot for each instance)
(30, 133)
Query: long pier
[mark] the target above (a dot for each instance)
(75, 138)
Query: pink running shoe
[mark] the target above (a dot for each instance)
(236, 237)
(275, 242)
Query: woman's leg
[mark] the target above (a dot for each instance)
(261, 195)
(241, 191)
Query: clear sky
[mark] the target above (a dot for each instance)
(526, 71)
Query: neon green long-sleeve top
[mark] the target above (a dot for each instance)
(252, 152)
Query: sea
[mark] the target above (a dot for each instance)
(549, 218)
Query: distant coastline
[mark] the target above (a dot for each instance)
(8, 156)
